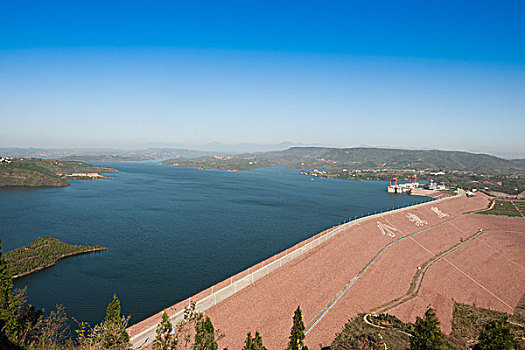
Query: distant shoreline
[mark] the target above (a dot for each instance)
(40, 173)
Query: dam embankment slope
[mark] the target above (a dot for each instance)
(336, 274)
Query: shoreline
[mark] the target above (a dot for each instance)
(26, 187)
(65, 184)
(97, 249)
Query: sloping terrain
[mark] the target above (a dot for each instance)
(519, 162)
(359, 158)
(35, 172)
(374, 261)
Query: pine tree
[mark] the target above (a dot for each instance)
(115, 335)
(165, 339)
(248, 343)
(427, 334)
(496, 335)
(205, 335)
(297, 332)
(254, 343)
(9, 303)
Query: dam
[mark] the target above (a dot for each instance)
(143, 332)
(365, 264)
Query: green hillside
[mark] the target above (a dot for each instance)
(35, 172)
(42, 253)
(453, 168)
(360, 158)
(519, 162)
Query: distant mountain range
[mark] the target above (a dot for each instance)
(101, 154)
(362, 158)
(246, 147)
(150, 153)
(293, 157)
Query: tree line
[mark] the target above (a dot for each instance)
(23, 327)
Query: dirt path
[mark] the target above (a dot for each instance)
(365, 319)
(417, 280)
(367, 266)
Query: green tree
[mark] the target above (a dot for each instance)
(254, 343)
(9, 303)
(496, 335)
(165, 340)
(205, 337)
(297, 332)
(113, 328)
(427, 334)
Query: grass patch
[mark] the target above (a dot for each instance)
(356, 334)
(450, 192)
(469, 320)
(467, 324)
(507, 207)
(520, 204)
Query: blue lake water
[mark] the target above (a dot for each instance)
(172, 232)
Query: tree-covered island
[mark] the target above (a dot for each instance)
(42, 253)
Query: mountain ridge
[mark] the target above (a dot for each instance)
(361, 158)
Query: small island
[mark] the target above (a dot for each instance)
(43, 253)
(36, 172)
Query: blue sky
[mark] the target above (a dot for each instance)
(448, 75)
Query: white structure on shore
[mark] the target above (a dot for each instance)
(435, 186)
(394, 187)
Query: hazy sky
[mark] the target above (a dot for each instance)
(429, 74)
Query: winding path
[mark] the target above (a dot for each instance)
(369, 264)
(417, 280)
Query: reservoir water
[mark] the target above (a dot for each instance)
(171, 232)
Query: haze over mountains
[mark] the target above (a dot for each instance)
(462, 168)
(151, 151)
(174, 150)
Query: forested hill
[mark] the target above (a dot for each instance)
(35, 172)
(360, 158)
(519, 162)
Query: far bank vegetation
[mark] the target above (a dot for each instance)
(35, 172)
